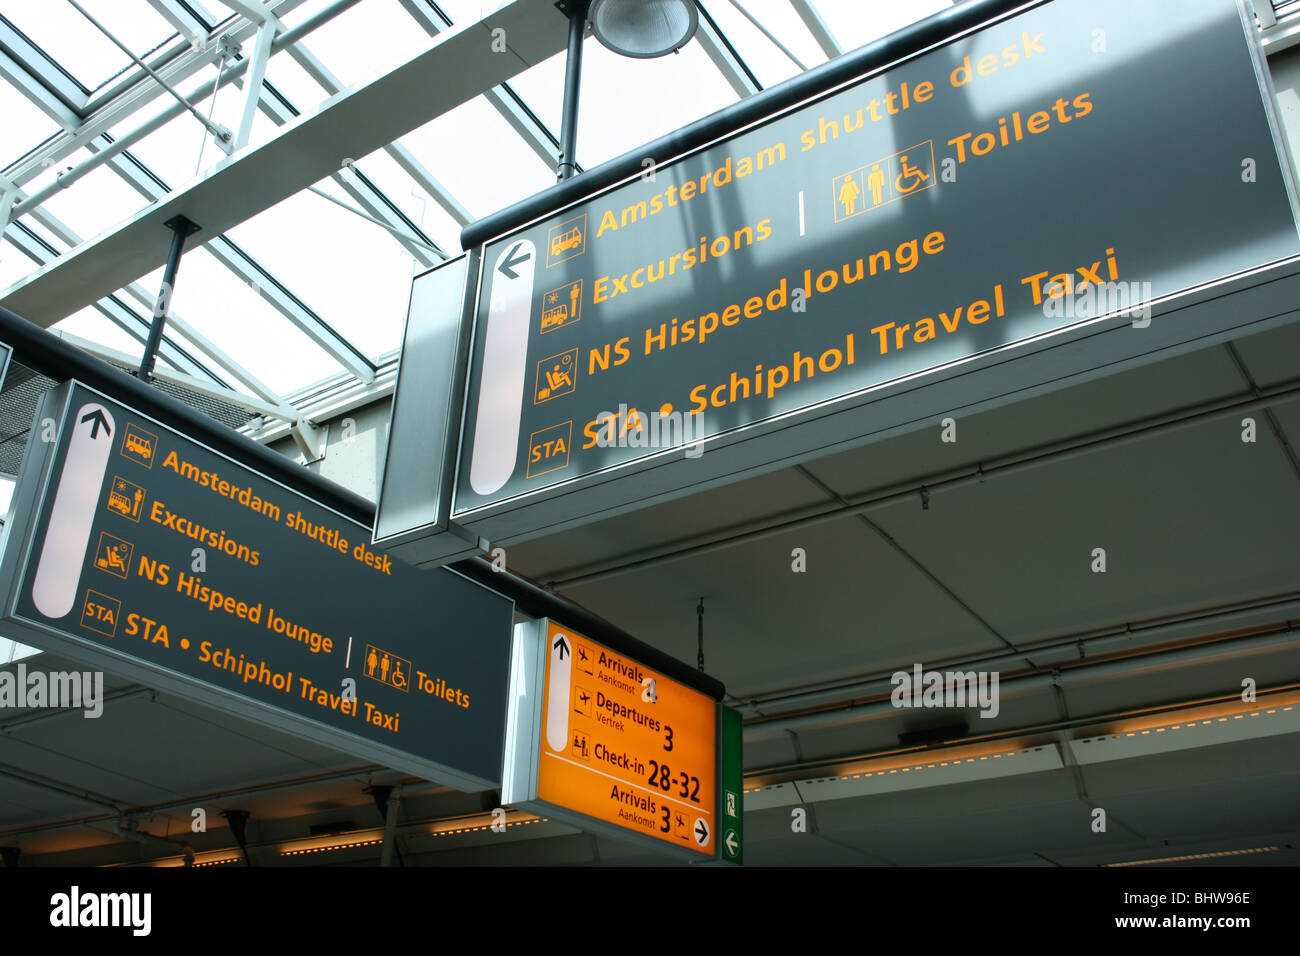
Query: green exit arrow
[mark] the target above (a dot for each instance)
(731, 821)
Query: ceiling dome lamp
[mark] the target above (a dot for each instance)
(643, 28)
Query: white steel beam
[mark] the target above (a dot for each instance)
(451, 71)
(174, 64)
(256, 12)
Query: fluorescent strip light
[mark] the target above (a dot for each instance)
(1195, 856)
(1194, 727)
(956, 765)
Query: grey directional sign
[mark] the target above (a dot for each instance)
(135, 548)
(1052, 171)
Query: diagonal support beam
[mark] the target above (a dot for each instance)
(253, 80)
(729, 64)
(377, 205)
(31, 69)
(186, 23)
(818, 28)
(9, 194)
(400, 154)
(503, 99)
(40, 96)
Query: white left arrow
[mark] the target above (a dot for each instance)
(505, 366)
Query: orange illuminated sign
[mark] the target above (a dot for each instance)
(626, 745)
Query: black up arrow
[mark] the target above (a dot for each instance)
(506, 267)
(561, 647)
(96, 418)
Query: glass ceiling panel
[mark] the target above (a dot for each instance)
(303, 11)
(137, 24)
(852, 28)
(243, 325)
(99, 200)
(382, 170)
(542, 88)
(14, 264)
(352, 272)
(467, 11)
(44, 234)
(760, 54)
(477, 156)
(627, 102)
(367, 41)
(25, 126)
(93, 325)
(173, 150)
(293, 82)
(74, 42)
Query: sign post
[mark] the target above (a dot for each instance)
(601, 741)
(138, 550)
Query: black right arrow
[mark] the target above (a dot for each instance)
(97, 418)
(561, 646)
(506, 266)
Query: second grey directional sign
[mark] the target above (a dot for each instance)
(139, 550)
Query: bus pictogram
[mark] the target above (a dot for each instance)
(566, 240)
(139, 445)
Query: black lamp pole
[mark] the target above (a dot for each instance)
(181, 228)
(576, 11)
